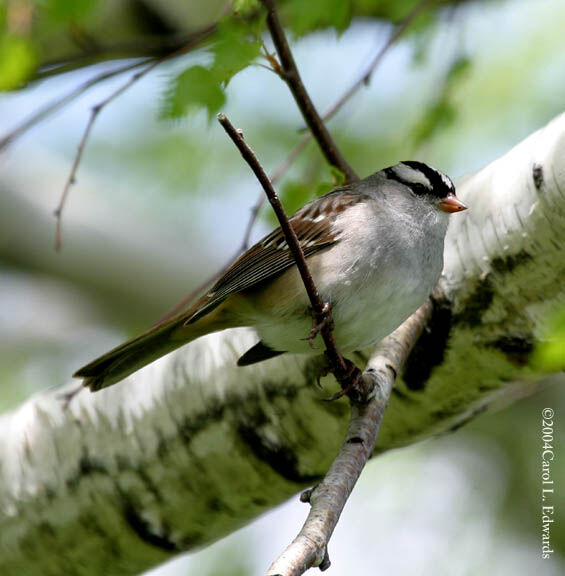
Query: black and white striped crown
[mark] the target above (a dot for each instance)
(421, 178)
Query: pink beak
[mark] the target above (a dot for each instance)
(451, 204)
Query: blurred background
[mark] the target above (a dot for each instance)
(162, 200)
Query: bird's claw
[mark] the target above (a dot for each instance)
(319, 325)
(355, 387)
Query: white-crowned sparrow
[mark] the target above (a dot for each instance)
(374, 249)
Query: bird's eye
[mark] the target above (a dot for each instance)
(419, 189)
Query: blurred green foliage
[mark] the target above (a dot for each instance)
(17, 61)
(69, 11)
(550, 353)
(304, 17)
(441, 112)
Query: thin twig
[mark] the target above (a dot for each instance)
(320, 309)
(366, 77)
(310, 547)
(292, 77)
(144, 48)
(94, 112)
(59, 102)
(275, 177)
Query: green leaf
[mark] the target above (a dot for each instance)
(549, 355)
(233, 51)
(18, 62)
(303, 17)
(194, 89)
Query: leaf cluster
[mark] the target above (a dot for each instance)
(235, 46)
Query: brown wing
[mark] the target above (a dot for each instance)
(270, 256)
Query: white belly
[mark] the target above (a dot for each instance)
(367, 305)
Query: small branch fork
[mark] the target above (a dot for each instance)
(327, 499)
(289, 73)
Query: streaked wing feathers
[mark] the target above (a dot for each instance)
(313, 225)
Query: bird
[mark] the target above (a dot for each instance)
(374, 248)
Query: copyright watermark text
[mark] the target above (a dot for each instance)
(547, 485)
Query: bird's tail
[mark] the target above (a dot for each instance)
(132, 355)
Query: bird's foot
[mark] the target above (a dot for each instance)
(353, 385)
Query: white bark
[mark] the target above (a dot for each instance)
(191, 447)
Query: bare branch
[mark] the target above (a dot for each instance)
(145, 48)
(366, 77)
(94, 112)
(61, 101)
(328, 498)
(292, 77)
(72, 176)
